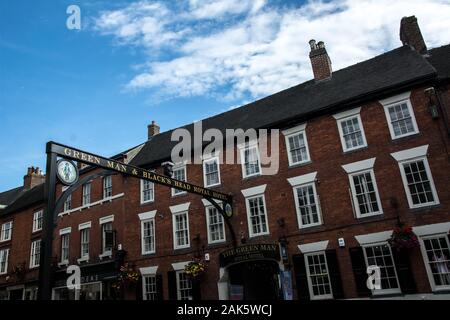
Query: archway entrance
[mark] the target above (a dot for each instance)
(254, 280)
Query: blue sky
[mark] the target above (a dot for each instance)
(171, 61)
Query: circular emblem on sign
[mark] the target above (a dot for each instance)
(228, 210)
(67, 172)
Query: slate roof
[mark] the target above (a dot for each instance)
(9, 196)
(27, 198)
(440, 59)
(355, 84)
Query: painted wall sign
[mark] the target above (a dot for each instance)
(250, 252)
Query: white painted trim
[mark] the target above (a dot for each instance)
(84, 225)
(395, 99)
(174, 191)
(148, 271)
(65, 231)
(359, 165)
(215, 158)
(242, 160)
(296, 129)
(313, 246)
(141, 192)
(6, 257)
(297, 206)
(177, 266)
(288, 151)
(188, 244)
(106, 219)
(208, 225)
(430, 178)
(147, 215)
(347, 113)
(180, 207)
(250, 229)
(88, 206)
(434, 287)
(308, 276)
(2, 206)
(370, 238)
(355, 199)
(303, 179)
(432, 229)
(409, 154)
(341, 133)
(143, 221)
(206, 203)
(254, 191)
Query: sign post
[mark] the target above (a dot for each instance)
(68, 174)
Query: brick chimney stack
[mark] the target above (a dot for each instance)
(320, 61)
(410, 34)
(33, 178)
(153, 129)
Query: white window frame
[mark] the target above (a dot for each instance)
(107, 185)
(383, 291)
(65, 235)
(84, 194)
(298, 130)
(242, 150)
(345, 116)
(208, 222)
(308, 275)
(433, 285)
(4, 254)
(250, 194)
(3, 231)
(175, 191)
(181, 209)
(357, 168)
(177, 273)
(430, 179)
(142, 192)
(38, 220)
(206, 161)
(68, 203)
(304, 181)
(81, 227)
(396, 100)
(102, 222)
(145, 218)
(144, 286)
(35, 247)
(413, 155)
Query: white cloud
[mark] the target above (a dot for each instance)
(244, 47)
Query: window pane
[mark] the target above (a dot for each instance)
(419, 185)
(381, 256)
(352, 133)
(438, 256)
(318, 275)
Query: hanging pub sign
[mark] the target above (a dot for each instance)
(67, 172)
(258, 251)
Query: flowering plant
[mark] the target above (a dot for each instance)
(403, 238)
(128, 274)
(195, 269)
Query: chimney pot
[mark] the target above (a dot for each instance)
(33, 177)
(153, 129)
(410, 34)
(320, 61)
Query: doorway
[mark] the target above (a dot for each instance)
(255, 280)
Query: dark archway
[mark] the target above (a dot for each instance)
(255, 280)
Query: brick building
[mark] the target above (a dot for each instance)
(362, 151)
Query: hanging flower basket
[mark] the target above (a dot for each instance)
(404, 238)
(127, 278)
(195, 269)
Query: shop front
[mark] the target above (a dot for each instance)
(96, 283)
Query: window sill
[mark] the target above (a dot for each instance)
(406, 137)
(63, 263)
(92, 204)
(369, 215)
(355, 150)
(81, 260)
(5, 241)
(251, 177)
(105, 255)
(148, 254)
(217, 185)
(174, 195)
(300, 164)
(34, 267)
(425, 208)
